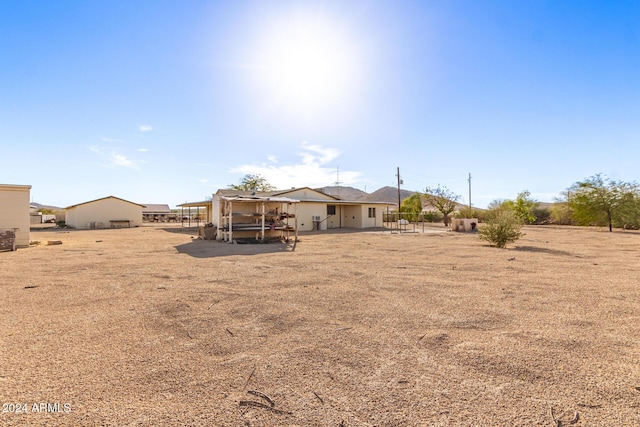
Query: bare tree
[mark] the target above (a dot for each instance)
(443, 199)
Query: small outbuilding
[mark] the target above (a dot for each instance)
(153, 212)
(465, 225)
(108, 212)
(14, 216)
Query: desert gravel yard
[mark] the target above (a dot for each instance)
(151, 327)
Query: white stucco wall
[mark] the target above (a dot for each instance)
(305, 211)
(103, 211)
(15, 211)
(372, 222)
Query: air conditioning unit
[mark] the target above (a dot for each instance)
(316, 218)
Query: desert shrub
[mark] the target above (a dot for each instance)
(542, 215)
(502, 227)
(432, 216)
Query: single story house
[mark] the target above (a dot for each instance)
(15, 209)
(157, 213)
(108, 212)
(316, 210)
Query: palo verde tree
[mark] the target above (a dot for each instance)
(443, 199)
(523, 206)
(253, 182)
(599, 200)
(411, 207)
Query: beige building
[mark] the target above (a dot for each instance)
(108, 212)
(15, 208)
(316, 210)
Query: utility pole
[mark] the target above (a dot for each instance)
(399, 182)
(469, 192)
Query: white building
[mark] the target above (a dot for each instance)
(15, 208)
(316, 210)
(108, 212)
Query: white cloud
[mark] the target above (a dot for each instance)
(116, 159)
(312, 171)
(143, 150)
(145, 128)
(202, 180)
(105, 139)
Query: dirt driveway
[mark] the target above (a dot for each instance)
(150, 327)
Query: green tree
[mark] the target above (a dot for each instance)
(599, 200)
(560, 211)
(503, 227)
(443, 199)
(253, 182)
(523, 206)
(630, 212)
(411, 207)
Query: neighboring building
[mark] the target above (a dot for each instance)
(15, 211)
(108, 212)
(157, 213)
(316, 210)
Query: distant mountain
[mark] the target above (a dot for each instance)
(387, 194)
(41, 206)
(345, 193)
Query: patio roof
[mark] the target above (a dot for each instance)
(202, 204)
(259, 199)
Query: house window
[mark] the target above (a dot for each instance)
(331, 209)
(372, 212)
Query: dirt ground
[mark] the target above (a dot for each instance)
(151, 327)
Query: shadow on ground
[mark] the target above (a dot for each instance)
(542, 250)
(181, 230)
(214, 248)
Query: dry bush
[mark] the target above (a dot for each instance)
(503, 227)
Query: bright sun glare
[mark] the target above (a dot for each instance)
(308, 65)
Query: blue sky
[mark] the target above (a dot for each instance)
(167, 101)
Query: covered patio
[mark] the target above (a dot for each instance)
(195, 213)
(258, 217)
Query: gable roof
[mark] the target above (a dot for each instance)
(228, 192)
(322, 197)
(155, 208)
(320, 193)
(104, 198)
